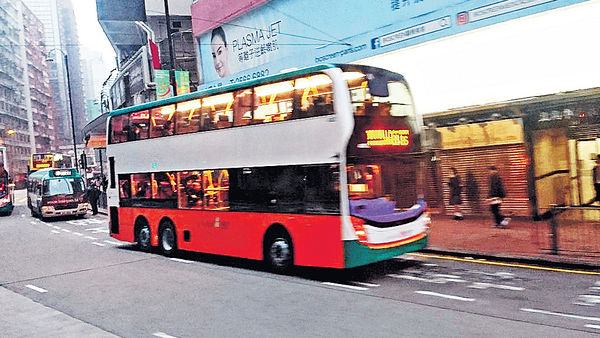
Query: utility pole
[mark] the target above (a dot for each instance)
(171, 54)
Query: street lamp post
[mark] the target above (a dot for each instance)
(66, 59)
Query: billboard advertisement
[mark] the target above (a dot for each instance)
(284, 34)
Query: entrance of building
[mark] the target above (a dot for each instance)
(582, 160)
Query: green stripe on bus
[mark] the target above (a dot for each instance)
(356, 254)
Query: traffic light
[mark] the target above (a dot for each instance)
(83, 161)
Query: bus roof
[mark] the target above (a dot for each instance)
(54, 173)
(205, 92)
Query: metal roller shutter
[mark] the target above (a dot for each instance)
(473, 168)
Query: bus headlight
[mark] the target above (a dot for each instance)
(47, 208)
(84, 205)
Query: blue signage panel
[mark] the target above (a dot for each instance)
(285, 34)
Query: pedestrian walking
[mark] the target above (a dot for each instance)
(93, 193)
(496, 195)
(455, 185)
(596, 180)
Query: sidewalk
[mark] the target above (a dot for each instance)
(22, 317)
(524, 239)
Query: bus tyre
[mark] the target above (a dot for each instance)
(144, 242)
(279, 252)
(167, 239)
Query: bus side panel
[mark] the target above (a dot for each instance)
(126, 221)
(316, 238)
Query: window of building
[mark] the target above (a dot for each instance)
(141, 186)
(190, 190)
(188, 116)
(139, 125)
(218, 109)
(162, 122)
(216, 189)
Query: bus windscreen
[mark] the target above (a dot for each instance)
(63, 186)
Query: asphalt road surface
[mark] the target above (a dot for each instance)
(68, 278)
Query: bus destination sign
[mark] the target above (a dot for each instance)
(388, 137)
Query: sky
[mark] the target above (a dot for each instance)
(90, 33)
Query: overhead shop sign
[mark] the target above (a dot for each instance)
(482, 134)
(269, 39)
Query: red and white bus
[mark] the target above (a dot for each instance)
(294, 169)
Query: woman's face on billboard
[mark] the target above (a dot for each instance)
(219, 54)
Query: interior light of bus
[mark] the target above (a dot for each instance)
(189, 105)
(349, 76)
(276, 88)
(357, 187)
(313, 81)
(218, 99)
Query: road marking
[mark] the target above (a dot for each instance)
(409, 277)
(77, 234)
(429, 293)
(370, 285)
(113, 243)
(98, 244)
(33, 222)
(544, 312)
(483, 286)
(22, 215)
(56, 227)
(162, 335)
(90, 237)
(592, 326)
(98, 230)
(66, 230)
(180, 260)
(55, 231)
(512, 265)
(345, 286)
(35, 288)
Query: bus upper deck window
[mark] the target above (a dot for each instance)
(119, 126)
(162, 122)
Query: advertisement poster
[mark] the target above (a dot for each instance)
(163, 86)
(283, 34)
(182, 79)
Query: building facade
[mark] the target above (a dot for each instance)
(61, 38)
(470, 65)
(14, 122)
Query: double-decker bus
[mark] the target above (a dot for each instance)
(294, 169)
(53, 192)
(48, 160)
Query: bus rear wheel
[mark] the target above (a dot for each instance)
(144, 242)
(279, 252)
(167, 239)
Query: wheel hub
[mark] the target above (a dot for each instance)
(280, 251)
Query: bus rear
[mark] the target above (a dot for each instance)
(387, 217)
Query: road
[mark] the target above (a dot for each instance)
(67, 277)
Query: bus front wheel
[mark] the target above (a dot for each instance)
(167, 239)
(279, 251)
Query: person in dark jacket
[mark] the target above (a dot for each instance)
(455, 194)
(93, 193)
(496, 195)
